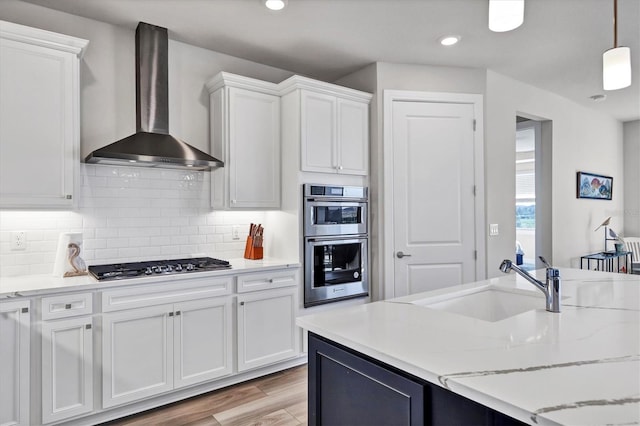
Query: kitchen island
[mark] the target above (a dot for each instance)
(581, 366)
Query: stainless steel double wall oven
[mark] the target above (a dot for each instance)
(336, 243)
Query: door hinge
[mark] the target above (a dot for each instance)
(474, 190)
(475, 254)
(474, 124)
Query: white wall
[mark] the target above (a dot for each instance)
(632, 178)
(108, 77)
(582, 140)
(129, 213)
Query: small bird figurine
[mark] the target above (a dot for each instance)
(76, 262)
(605, 223)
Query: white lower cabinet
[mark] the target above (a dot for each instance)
(66, 331)
(153, 350)
(137, 354)
(267, 332)
(67, 368)
(140, 341)
(202, 341)
(15, 324)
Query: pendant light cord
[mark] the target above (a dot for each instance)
(615, 23)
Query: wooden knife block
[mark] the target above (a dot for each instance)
(251, 252)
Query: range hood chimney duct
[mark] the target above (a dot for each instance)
(152, 145)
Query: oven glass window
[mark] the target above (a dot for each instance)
(336, 264)
(337, 215)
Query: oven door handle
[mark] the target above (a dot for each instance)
(338, 238)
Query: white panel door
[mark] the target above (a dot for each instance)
(67, 368)
(254, 149)
(266, 327)
(137, 354)
(318, 132)
(14, 363)
(353, 137)
(433, 184)
(202, 337)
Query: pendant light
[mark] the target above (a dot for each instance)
(616, 62)
(505, 15)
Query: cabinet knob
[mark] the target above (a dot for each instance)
(25, 310)
(241, 303)
(170, 314)
(67, 306)
(88, 326)
(233, 201)
(339, 167)
(68, 196)
(177, 312)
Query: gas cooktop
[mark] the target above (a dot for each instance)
(156, 267)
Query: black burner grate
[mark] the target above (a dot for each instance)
(156, 267)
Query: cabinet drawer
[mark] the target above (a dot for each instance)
(168, 292)
(267, 280)
(67, 305)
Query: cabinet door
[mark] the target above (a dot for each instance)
(14, 363)
(137, 354)
(266, 327)
(202, 340)
(254, 149)
(345, 389)
(353, 137)
(67, 368)
(38, 109)
(318, 132)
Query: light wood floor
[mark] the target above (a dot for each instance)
(278, 399)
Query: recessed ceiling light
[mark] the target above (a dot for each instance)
(449, 40)
(275, 4)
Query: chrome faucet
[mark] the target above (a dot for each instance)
(551, 288)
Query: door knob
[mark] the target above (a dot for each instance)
(401, 255)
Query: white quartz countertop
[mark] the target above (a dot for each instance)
(33, 285)
(579, 367)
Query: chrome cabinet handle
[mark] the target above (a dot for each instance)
(400, 255)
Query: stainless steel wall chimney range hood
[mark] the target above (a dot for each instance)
(152, 145)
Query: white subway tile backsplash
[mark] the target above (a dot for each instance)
(178, 240)
(117, 242)
(129, 253)
(127, 214)
(215, 238)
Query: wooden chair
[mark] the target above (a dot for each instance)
(632, 244)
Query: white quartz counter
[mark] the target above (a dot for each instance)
(579, 367)
(33, 285)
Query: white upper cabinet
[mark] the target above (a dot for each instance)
(352, 137)
(245, 134)
(39, 117)
(332, 123)
(318, 132)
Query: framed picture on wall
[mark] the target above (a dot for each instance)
(596, 187)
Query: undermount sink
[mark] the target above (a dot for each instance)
(486, 303)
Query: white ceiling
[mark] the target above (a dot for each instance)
(558, 48)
